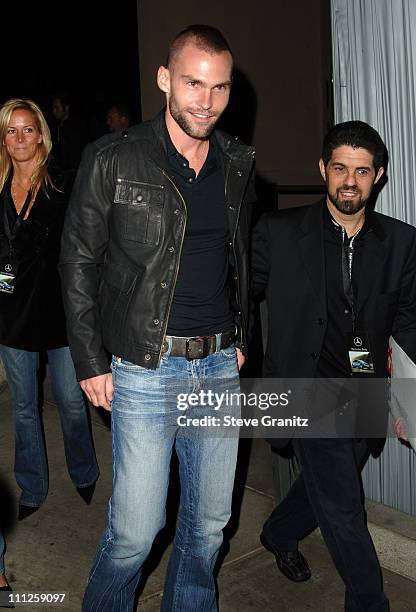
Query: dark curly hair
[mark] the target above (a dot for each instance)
(356, 134)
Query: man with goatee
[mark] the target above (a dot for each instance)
(339, 280)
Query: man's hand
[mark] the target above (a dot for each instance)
(99, 390)
(240, 358)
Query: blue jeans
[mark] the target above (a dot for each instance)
(30, 467)
(144, 431)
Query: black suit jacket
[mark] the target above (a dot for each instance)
(32, 317)
(289, 265)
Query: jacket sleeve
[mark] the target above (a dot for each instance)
(260, 267)
(83, 247)
(404, 324)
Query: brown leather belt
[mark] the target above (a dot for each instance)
(197, 347)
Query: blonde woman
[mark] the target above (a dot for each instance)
(33, 199)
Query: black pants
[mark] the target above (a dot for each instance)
(328, 494)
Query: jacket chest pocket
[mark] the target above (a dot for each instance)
(141, 207)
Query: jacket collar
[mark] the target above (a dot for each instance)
(311, 243)
(313, 220)
(229, 146)
(372, 267)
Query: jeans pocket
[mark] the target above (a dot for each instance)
(141, 392)
(127, 366)
(229, 352)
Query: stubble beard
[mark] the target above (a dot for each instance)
(199, 132)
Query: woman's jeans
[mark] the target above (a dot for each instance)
(145, 429)
(30, 467)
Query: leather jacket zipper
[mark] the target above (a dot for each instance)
(165, 326)
(226, 178)
(237, 279)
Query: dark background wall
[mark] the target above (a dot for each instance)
(89, 48)
(282, 51)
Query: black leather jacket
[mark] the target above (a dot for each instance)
(122, 242)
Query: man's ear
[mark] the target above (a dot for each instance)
(322, 169)
(163, 79)
(379, 174)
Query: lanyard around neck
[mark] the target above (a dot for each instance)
(347, 254)
(7, 200)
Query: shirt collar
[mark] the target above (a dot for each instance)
(173, 152)
(369, 220)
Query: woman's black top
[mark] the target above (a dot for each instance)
(32, 317)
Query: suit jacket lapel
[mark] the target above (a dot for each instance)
(372, 267)
(311, 246)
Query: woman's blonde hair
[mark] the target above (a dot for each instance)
(40, 176)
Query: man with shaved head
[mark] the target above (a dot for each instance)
(154, 267)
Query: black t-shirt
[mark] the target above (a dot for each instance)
(201, 304)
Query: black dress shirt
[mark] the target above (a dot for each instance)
(333, 361)
(201, 304)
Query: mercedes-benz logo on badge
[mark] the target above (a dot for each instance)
(8, 268)
(358, 341)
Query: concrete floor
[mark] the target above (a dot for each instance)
(51, 551)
